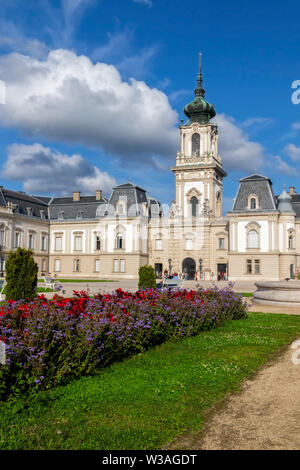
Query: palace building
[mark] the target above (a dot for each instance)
(98, 237)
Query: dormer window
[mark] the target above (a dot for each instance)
(42, 214)
(79, 215)
(253, 202)
(61, 215)
(29, 211)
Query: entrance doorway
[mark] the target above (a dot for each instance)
(221, 271)
(189, 268)
(158, 267)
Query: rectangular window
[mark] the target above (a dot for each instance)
(17, 239)
(78, 243)
(188, 244)
(43, 267)
(249, 266)
(57, 265)
(257, 266)
(2, 238)
(122, 265)
(97, 265)
(158, 244)
(116, 265)
(58, 243)
(221, 243)
(43, 242)
(30, 241)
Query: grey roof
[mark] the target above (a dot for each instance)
(64, 208)
(296, 204)
(132, 195)
(23, 202)
(2, 200)
(259, 185)
(285, 202)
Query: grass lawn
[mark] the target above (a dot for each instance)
(247, 294)
(146, 401)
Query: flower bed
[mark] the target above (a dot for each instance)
(50, 342)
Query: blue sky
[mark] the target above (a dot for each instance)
(95, 90)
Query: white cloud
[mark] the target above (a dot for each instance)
(43, 170)
(145, 2)
(120, 51)
(235, 148)
(12, 38)
(72, 10)
(293, 152)
(258, 122)
(284, 167)
(68, 98)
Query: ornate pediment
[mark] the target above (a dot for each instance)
(193, 192)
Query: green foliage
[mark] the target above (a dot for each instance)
(21, 275)
(146, 401)
(147, 279)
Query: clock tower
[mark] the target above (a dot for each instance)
(198, 171)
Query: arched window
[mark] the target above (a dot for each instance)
(119, 241)
(253, 239)
(195, 145)
(194, 204)
(253, 203)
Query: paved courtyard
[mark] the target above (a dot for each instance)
(132, 285)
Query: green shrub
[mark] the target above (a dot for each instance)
(21, 275)
(147, 279)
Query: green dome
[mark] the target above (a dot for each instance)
(199, 110)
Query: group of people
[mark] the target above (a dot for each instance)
(197, 276)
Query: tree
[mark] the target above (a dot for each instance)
(147, 278)
(21, 275)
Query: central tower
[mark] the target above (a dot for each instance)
(198, 171)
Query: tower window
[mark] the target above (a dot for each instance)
(194, 204)
(196, 145)
(253, 203)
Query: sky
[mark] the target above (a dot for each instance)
(92, 91)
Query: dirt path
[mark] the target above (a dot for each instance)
(265, 415)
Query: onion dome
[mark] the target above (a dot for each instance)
(199, 110)
(285, 202)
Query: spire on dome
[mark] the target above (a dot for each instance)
(199, 110)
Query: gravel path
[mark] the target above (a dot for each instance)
(264, 416)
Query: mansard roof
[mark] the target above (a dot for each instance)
(65, 208)
(22, 202)
(258, 185)
(132, 195)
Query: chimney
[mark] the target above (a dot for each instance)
(292, 190)
(98, 194)
(76, 196)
